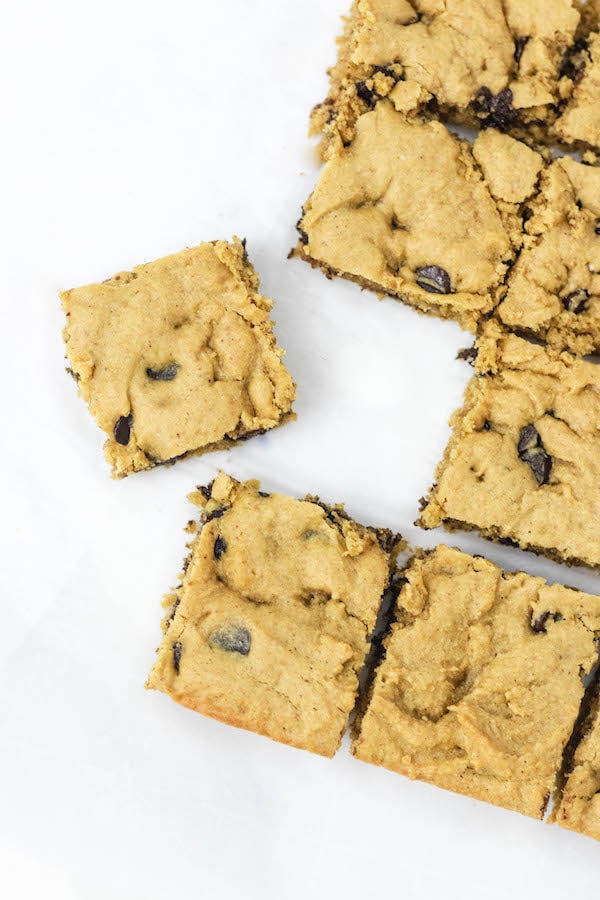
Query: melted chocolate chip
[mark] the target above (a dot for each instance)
(532, 452)
(177, 648)
(434, 279)
(574, 61)
(539, 625)
(122, 429)
(495, 110)
(206, 490)
(167, 374)
(519, 47)
(220, 547)
(232, 638)
(215, 514)
(469, 354)
(597, 228)
(366, 94)
(576, 301)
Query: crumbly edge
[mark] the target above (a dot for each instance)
(534, 127)
(468, 322)
(588, 714)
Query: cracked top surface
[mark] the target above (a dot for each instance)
(408, 195)
(177, 355)
(579, 802)
(481, 682)
(499, 62)
(554, 287)
(489, 477)
(293, 590)
(451, 51)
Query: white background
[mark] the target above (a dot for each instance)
(131, 130)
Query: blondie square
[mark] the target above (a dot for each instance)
(481, 682)
(410, 210)
(177, 356)
(523, 461)
(578, 802)
(553, 290)
(505, 63)
(270, 627)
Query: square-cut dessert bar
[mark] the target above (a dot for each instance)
(523, 461)
(577, 805)
(177, 356)
(270, 626)
(454, 229)
(517, 65)
(481, 681)
(407, 210)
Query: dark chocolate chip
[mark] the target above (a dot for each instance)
(206, 490)
(434, 279)
(573, 62)
(597, 228)
(215, 514)
(469, 354)
(539, 624)
(366, 94)
(167, 374)
(495, 110)
(263, 494)
(576, 301)
(122, 429)
(177, 648)
(519, 47)
(532, 452)
(233, 638)
(487, 426)
(220, 547)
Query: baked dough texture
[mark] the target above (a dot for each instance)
(517, 65)
(523, 461)
(177, 356)
(481, 681)
(578, 804)
(270, 627)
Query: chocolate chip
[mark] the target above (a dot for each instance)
(233, 638)
(532, 452)
(434, 279)
(495, 110)
(167, 374)
(597, 228)
(122, 429)
(574, 61)
(177, 648)
(366, 94)
(263, 494)
(469, 354)
(215, 514)
(519, 47)
(487, 426)
(220, 547)
(539, 625)
(576, 301)
(206, 490)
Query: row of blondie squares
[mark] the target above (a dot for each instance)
(478, 687)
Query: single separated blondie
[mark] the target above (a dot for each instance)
(481, 681)
(578, 803)
(506, 63)
(523, 461)
(177, 356)
(410, 210)
(270, 627)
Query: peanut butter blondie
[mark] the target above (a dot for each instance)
(553, 290)
(270, 626)
(511, 64)
(481, 681)
(523, 461)
(177, 356)
(410, 210)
